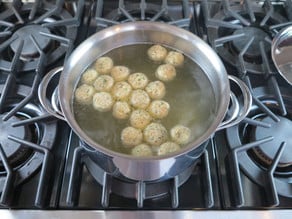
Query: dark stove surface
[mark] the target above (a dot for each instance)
(42, 165)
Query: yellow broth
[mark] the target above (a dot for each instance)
(190, 96)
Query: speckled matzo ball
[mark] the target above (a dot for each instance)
(84, 94)
(142, 150)
(140, 118)
(104, 65)
(156, 90)
(167, 147)
(155, 134)
(89, 76)
(138, 80)
(157, 53)
(139, 99)
(104, 83)
(121, 90)
(165, 72)
(180, 134)
(174, 58)
(102, 101)
(121, 110)
(158, 109)
(120, 73)
(131, 136)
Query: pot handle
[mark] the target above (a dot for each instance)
(52, 106)
(237, 113)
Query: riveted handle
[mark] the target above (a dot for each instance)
(237, 113)
(51, 106)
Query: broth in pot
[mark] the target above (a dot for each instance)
(109, 101)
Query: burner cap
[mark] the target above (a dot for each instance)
(281, 131)
(13, 150)
(254, 48)
(24, 33)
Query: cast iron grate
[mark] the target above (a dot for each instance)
(241, 32)
(136, 190)
(25, 145)
(260, 147)
(108, 13)
(88, 186)
(33, 36)
(25, 29)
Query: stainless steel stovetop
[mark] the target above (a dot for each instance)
(245, 170)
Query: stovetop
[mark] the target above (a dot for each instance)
(44, 166)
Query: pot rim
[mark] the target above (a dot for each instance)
(132, 26)
(284, 35)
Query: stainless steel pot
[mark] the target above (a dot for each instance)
(152, 168)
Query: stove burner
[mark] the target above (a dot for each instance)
(269, 134)
(281, 131)
(19, 131)
(14, 151)
(236, 33)
(25, 33)
(254, 49)
(46, 32)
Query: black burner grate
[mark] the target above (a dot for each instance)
(17, 166)
(263, 156)
(87, 186)
(241, 32)
(254, 163)
(107, 13)
(29, 30)
(33, 37)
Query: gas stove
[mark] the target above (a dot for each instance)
(46, 172)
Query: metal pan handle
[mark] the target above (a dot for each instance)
(52, 106)
(237, 113)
